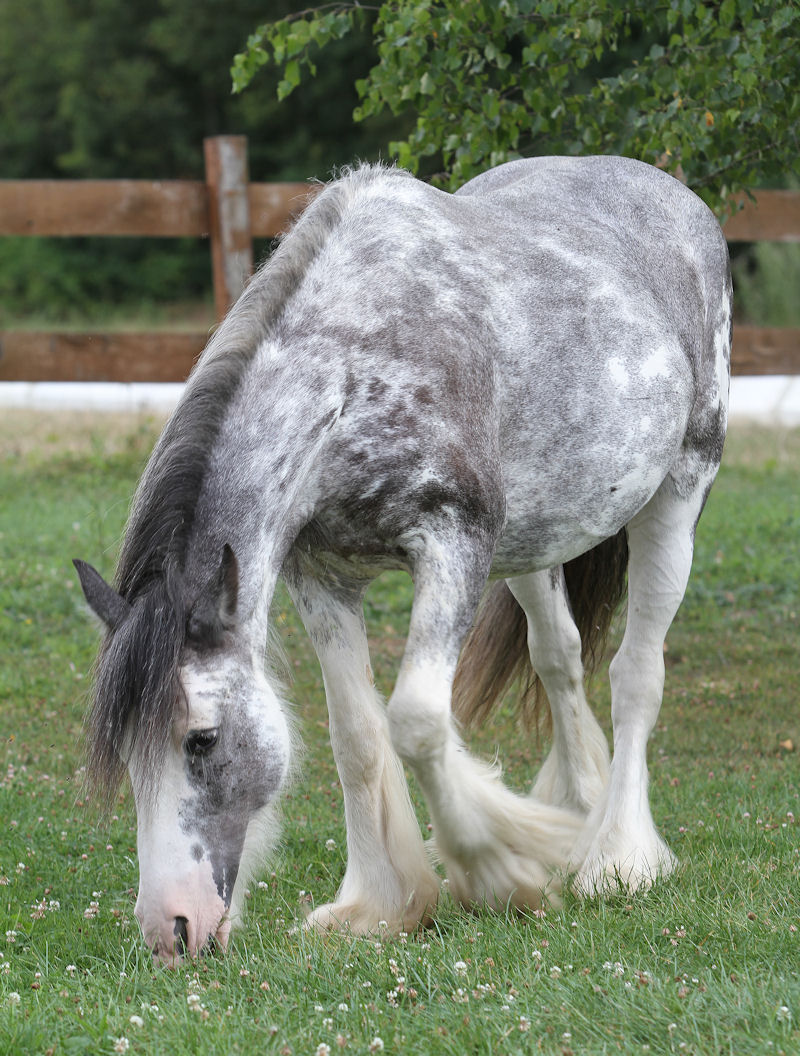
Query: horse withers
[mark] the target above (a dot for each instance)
(524, 382)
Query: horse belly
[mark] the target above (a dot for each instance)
(571, 488)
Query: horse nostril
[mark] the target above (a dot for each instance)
(181, 936)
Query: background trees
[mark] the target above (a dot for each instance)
(711, 88)
(108, 88)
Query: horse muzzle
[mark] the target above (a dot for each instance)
(186, 920)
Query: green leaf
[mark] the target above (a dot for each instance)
(486, 77)
(427, 85)
(292, 72)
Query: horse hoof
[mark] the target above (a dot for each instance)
(634, 872)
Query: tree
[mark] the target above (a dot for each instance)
(112, 89)
(710, 89)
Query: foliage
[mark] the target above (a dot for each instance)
(766, 278)
(712, 89)
(112, 89)
(707, 962)
(83, 280)
(116, 90)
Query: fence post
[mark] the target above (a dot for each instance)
(229, 217)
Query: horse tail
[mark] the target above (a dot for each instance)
(495, 655)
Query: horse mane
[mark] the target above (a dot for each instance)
(136, 677)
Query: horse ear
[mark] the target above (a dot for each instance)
(228, 577)
(103, 600)
(215, 607)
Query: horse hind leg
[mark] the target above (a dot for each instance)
(575, 772)
(497, 847)
(620, 846)
(388, 880)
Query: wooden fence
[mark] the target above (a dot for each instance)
(230, 211)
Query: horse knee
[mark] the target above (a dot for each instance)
(418, 724)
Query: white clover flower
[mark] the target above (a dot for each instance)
(136, 1021)
(14, 998)
(376, 1045)
(784, 1014)
(524, 1023)
(555, 972)
(121, 1045)
(344, 1007)
(327, 1023)
(460, 967)
(330, 845)
(323, 1049)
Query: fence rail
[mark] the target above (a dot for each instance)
(230, 211)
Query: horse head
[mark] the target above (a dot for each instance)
(205, 766)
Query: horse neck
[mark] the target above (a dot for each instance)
(261, 484)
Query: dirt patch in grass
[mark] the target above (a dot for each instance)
(48, 434)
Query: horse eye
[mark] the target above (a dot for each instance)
(199, 742)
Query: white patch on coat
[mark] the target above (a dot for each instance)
(619, 373)
(657, 364)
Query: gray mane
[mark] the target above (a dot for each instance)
(136, 674)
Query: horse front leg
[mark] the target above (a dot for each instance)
(498, 848)
(388, 879)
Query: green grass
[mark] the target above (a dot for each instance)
(705, 963)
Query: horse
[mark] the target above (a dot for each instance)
(516, 392)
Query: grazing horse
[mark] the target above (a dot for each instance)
(524, 381)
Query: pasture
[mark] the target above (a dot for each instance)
(706, 963)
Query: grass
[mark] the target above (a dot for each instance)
(706, 963)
